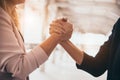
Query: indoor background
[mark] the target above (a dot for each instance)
(93, 21)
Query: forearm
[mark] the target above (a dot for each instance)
(73, 51)
(49, 44)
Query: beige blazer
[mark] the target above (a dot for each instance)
(13, 57)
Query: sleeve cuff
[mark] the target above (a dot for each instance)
(80, 66)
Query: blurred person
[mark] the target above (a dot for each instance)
(108, 57)
(15, 63)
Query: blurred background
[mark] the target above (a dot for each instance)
(93, 21)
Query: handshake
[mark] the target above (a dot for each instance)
(61, 31)
(61, 28)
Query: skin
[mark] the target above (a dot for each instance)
(73, 51)
(76, 54)
(50, 43)
(54, 39)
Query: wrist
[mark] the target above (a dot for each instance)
(56, 37)
(63, 42)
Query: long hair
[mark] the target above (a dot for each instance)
(5, 4)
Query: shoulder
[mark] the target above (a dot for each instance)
(116, 26)
(5, 19)
(4, 13)
(117, 23)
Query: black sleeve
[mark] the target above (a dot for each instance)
(98, 65)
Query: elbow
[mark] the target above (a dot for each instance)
(97, 73)
(19, 68)
(19, 73)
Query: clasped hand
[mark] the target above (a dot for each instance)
(62, 28)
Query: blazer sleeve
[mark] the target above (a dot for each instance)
(13, 59)
(97, 65)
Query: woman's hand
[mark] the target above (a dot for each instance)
(62, 28)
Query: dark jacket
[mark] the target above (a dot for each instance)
(108, 57)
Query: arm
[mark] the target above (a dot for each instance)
(49, 44)
(100, 63)
(13, 59)
(94, 65)
(61, 26)
(73, 51)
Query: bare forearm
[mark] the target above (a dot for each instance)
(49, 44)
(73, 51)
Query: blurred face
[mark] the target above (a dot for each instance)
(15, 2)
